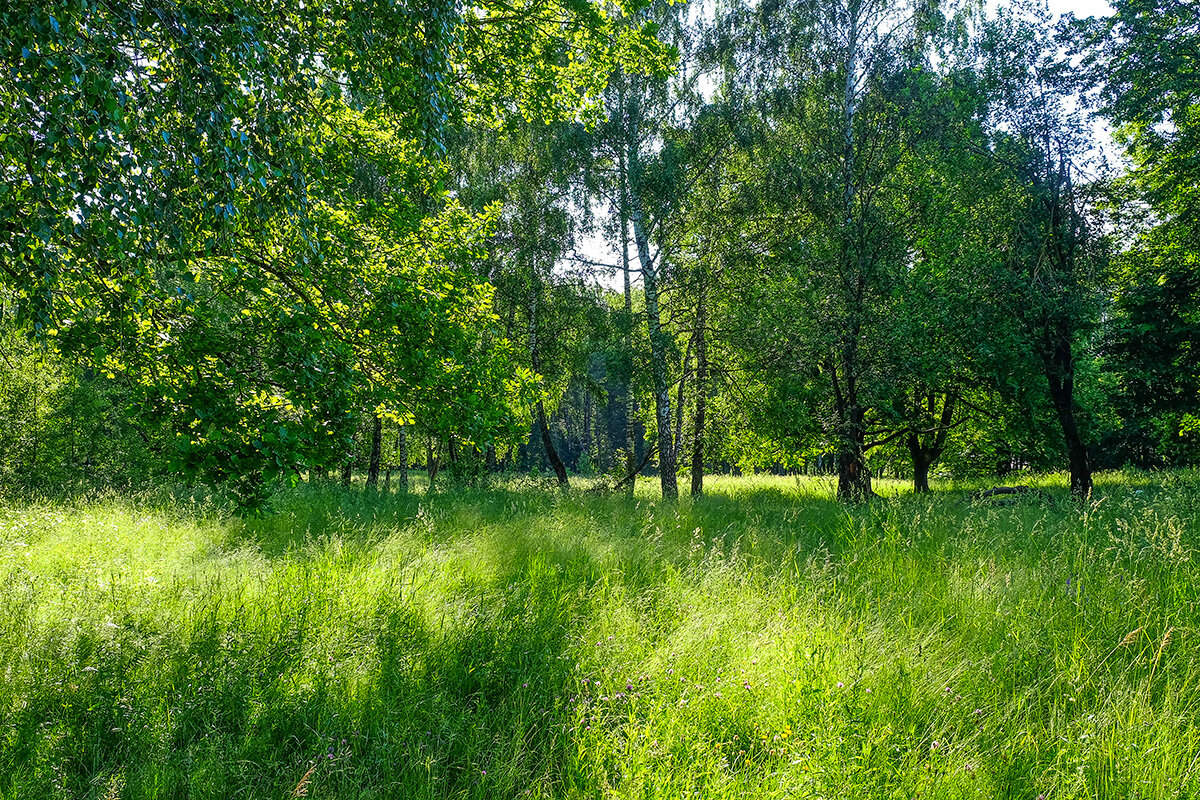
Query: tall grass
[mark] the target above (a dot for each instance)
(761, 642)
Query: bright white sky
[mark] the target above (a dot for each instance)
(595, 248)
(1081, 8)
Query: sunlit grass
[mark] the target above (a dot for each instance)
(763, 641)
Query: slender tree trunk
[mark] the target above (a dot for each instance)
(347, 474)
(1060, 375)
(658, 354)
(560, 469)
(685, 373)
(848, 108)
(376, 447)
(402, 458)
(658, 368)
(35, 439)
(701, 388)
(587, 427)
(631, 461)
(432, 462)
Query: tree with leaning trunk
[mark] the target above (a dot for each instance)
(1050, 277)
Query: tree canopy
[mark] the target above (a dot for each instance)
(845, 235)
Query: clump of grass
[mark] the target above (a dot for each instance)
(763, 641)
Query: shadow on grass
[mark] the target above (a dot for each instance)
(363, 516)
(246, 698)
(312, 669)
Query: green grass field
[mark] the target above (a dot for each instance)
(516, 642)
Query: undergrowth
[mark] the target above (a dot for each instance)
(763, 641)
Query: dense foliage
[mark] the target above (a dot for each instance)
(267, 241)
(240, 210)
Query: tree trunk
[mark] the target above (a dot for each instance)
(1060, 375)
(921, 460)
(685, 373)
(631, 462)
(701, 387)
(658, 349)
(347, 474)
(854, 479)
(560, 469)
(587, 427)
(402, 458)
(432, 462)
(376, 446)
(658, 367)
(925, 455)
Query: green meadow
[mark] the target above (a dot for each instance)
(514, 642)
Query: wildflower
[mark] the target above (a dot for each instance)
(840, 684)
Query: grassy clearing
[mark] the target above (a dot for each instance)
(764, 642)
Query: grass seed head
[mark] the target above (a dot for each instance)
(1130, 637)
(301, 789)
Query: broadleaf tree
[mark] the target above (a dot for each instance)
(185, 205)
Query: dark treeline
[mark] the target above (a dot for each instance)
(852, 237)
